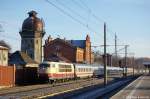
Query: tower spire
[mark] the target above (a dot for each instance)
(32, 13)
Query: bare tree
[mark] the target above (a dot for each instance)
(2, 42)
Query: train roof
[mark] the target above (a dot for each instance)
(114, 68)
(93, 65)
(85, 65)
(96, 66)
(55, 62)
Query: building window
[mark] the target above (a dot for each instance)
(4, 57)
(31, 40)
(28, 45)
(22, 41)
(36, 41)
(31, 55)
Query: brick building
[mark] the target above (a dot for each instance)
(78, 51)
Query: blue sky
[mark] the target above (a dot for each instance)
(129, 19)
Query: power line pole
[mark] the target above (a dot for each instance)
(105, 57)
(116, 61)
(133, 65)
(126, 46)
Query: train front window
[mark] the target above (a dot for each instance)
(53, 65)
(43, 65)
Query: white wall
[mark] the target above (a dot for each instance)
(3, 57)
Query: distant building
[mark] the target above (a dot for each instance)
(3, 56)
(147, 66)
(31, 36)
(78, 51)
(21, 60)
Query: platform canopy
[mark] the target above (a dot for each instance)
(146, 64)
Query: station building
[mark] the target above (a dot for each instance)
(147, 66)
(75, 51)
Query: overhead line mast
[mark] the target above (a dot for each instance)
(126, 46)
(116, 50)
(105, 57)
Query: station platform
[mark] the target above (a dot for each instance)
(138, 89)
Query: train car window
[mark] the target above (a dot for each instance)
(53, 65)
(61, 70)
(81, 69)
(78, 69)
(87, 70)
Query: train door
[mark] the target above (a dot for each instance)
(74, 71)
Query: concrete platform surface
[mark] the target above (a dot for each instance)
(138, 89)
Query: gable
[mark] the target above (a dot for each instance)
(20, 58)
(59, 41)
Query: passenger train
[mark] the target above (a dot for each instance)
(53, 71)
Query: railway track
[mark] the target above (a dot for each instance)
(95, 91)
(35, 91)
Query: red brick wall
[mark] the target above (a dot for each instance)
(62, 49)
(7, 75)
(79, 55)
(69, 52)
